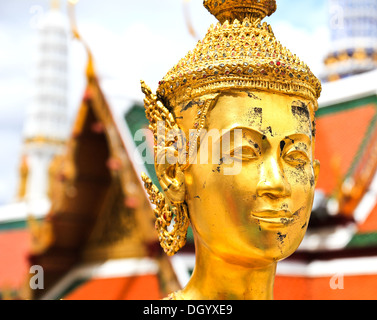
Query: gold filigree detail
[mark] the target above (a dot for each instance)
(171, 240)
(237, 55)
(235, 9)
(156, 112)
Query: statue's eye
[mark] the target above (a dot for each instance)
(297, 158)
(245, 152)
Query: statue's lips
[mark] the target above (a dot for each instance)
(278, 217)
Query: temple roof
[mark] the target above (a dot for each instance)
(346, 145)
(99, 208)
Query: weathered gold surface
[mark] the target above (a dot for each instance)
(245, 170)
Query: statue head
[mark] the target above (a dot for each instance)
(234, 127)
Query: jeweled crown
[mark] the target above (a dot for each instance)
(235, 9)
(238, 52)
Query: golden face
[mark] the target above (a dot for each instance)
(260, 213)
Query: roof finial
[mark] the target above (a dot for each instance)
(240, 9)
(90, 70)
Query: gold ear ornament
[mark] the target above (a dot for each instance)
(171, 221)
(174, 239)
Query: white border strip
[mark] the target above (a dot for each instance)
(108, 269)
(19, 211)
(368, 202)
(328, 238)
(344, 266)
(348, 89)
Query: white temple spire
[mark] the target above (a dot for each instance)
(46, 125)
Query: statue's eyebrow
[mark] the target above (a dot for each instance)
(243, 129)
(298, 136)
(295, 139)
(255, 131)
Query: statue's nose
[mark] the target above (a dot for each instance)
(272, 181)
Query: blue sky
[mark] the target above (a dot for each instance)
(131, 40)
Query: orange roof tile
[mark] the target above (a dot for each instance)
(339, 136)
(370, 224)
(14, 267)
(346, 287)
(144, 287)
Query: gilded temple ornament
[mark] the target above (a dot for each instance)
(232, 9)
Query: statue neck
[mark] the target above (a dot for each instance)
(216, 279)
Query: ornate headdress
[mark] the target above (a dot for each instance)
(238, 53)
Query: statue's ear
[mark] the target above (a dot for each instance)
(170, 146)
(170, 175)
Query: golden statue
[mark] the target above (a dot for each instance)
(234, 129)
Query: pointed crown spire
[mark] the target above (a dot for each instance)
(239, 52)
(240, 9)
